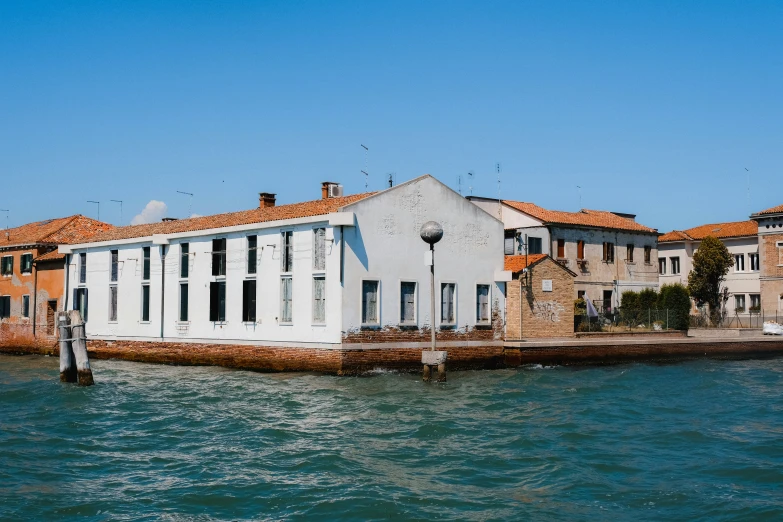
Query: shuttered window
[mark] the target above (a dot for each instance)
(647, 254)
(113, 303)
(482, 303)
(252, 254)
(115, 265)
(608, 252)
(219, 257)
(5, 306)
(319, 249)
(184, 260)
(7, 267)
(319, 299)
(217, 301)
(508, 245)
(183, 302)
(249, 301)
(145, 303)
(447, 312)
(407, 302)
(26, 263)
(370, 302)
(80, 302)
(561, 248)
(580, 249)
(287, 251)
(286, 300)
(629, 253)
(145, 275)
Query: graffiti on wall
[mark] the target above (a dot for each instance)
(549, 311)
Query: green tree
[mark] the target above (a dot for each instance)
(676, 299)
(711, 263)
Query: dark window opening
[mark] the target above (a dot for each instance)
(83, 268)
(80, 302)
(287, 251)
(249, 301)
(115, 265)
(25, 306)
(184, 260)
(561, 248)
(146, 263)
(183, 302)
(5, 306)
(535, 245)
(145, 303)
(217, 301)
(219, 257)
(252, 256)
(26, 263)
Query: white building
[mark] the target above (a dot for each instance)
(309, 274)
(675, 260)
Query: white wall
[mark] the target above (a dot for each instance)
(386, 245)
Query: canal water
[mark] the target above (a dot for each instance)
(697, 440)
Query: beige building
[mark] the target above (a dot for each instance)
(609, 251)
(770, 242)
(675, 260)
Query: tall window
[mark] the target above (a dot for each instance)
(739, 302)
(252, 254)
(755, 302)
(115, 265)
(482, 303)
(662, 266)
(629, 253)
(25, 306)
(675, 261)
(145, 266)
(80, 301)
(183, 302)
(561, 248)
(113, 303)
(508, 243)
(249, 300)
(447, 312)
(83, 268)
(184, 260)
(26, 263)
(145, 303)
(287, 251)
(739, 263)
(580, 249)
(780, 260)
(217, 301)
(286, 300)
(319, 249)
(648, 254)
(219, 257)
(370, 313)
(608, 252)
(7, 266)
(319, 299)
(754, 262)
(5, 306)
(408, 302)
(534, 245)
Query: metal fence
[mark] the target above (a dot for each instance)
(750, 319)
(622, 320)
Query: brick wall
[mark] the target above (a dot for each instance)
(771, 290)
(539, 313)
(391, 334)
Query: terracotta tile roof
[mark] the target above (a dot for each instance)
(72, 229)
(244, 217)
(585, 217)
(718, 230)
(773, 210)
(54, 255)
(517, 263)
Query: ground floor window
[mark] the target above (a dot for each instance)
(5, 306)
(482, 303)
(112, 303)
(370, 313)
(80, 302)
(408, 302)
(447, 307)
(286, 300)
(145, 303)
(755, 302)
(25, 306)
(183, 302)
(249, 300)
(217, 301)
(319, 299)
(739, 302)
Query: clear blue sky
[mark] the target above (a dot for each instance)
(654, 108)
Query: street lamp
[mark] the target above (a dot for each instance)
(431, 232)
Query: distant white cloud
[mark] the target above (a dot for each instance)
(152, 213)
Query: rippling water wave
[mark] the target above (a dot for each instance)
(698, 440)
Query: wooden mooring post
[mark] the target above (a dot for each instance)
(74, 362)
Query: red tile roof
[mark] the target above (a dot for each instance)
(245, 217)
(72, 229)
(585, 217)
(518, 263)
(54, 255)
(773, 210)
(718, 230)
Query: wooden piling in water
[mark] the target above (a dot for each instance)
(79, 343)
(67, 359)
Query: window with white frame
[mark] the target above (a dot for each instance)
(448, 313)
(286, 299)
(482, 304)
(319, 299)
(370, 315)
(183, 302)
(739, 302)
(184, 260)
(252, 254)
(25, 306)
(319, 249)
(675, 264)
(739, 263)
(408, 302)
(145, 303)
(26, 263)
(217, 301)
(7, 266)
(83, 267)
(249, 301)
(662, 265)
(753, 259)
(113, 303)
(755, 302)
(287, 251)
(219, 257)
(146, 263)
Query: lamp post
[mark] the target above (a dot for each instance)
(431, 232)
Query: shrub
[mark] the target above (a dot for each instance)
(676, 299)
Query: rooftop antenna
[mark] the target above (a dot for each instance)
(580, 196)
(459, 184)
(99, 207)
(366, 169)
(190, 201)
(500, 205)
(391, 179)
(470, 182)
(120, 202)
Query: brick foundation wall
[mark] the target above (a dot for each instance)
(390, 334)
(20, 337)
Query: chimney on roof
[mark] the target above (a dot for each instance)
(266, 200)
(330, 189)
(165, 219)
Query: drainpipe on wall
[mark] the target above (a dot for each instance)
(342, 254)
(67, 279)
(162, 287)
